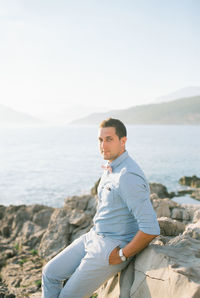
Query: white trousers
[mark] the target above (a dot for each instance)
(85, 262)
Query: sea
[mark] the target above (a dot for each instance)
(46, 164)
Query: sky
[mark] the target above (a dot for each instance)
(83, 55)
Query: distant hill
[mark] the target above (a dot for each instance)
(10, 116)
(181, 93)
(180, 111)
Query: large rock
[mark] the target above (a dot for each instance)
(56, 236)
(159, 189)
(67, 223)
(171, 270)
(163, 207)
(170, 227)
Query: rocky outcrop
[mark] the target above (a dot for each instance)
(193, 184)
(160, 190)
(67, 223)
(193, 181)
(170, 267)
(31, 235)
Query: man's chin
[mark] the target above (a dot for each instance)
(105, 156)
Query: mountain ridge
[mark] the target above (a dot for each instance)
(180, 93)
(11, 116)
(179, 111)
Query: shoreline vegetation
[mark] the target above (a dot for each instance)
(31, 235)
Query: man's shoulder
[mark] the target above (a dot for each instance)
(132, 172)
(129, 165)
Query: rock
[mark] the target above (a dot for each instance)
(119, 285)
(42, 217)
(16, 219)
(77, 202)
(170, 227)
(56, 237)
(22, 274)
(196, 216)
(9, 253)
(191, 209)
(183, 192)
(161, 206)
(34, 240)
(153, 196)
(94, 189)
(5, 231)
(159, 189)
(166, 271)
(180, 214)
(193, 230)
(196, 194)
(28, 229)
(162, 272)
(91, 206)
(78, 218)
(36, 295)
(193, 181)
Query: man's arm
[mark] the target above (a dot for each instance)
(138, 243)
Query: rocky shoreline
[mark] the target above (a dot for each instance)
(31, 235)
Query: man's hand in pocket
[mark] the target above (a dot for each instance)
(114, 257)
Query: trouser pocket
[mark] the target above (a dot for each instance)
(99, 248)
(110, 245)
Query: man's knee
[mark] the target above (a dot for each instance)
(48, 270)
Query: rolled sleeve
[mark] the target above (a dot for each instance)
(134, 190)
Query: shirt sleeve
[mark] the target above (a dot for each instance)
(134, 190)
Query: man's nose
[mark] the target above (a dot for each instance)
(103, 145)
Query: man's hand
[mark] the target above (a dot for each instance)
(114, 257)
(138, 243)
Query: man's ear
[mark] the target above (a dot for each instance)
(123, 140)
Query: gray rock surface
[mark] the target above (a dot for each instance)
(161, 270)
(159, 189)
(196, 194)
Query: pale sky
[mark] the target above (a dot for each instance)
(105, 53)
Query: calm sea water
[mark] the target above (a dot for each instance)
(46, 164)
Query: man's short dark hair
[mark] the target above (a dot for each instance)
(117, 124)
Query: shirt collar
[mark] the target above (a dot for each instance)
(118, 160)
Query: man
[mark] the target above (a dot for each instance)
(124, 224)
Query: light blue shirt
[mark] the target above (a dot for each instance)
(124, 206)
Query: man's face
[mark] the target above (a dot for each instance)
(109, 143)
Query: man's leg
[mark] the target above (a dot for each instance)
(62, 267)
(94, 268)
